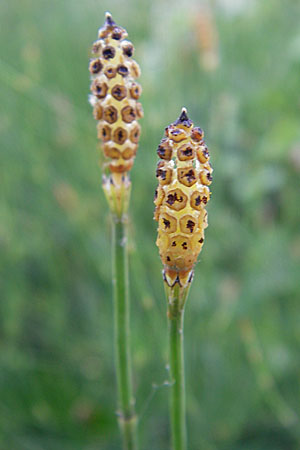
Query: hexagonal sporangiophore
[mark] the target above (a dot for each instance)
(176, 199)
(135, 133)
(120, 135)
(128, 114)
(202, 154)
(127, 48)
(99, 89)
(108, 52)
(165, 150)
(98, 111)
(179, 245)
(95, 66)
(205, 177)
(129, 152)
(197, 134)
(111, 152)
(119, 92)
(123, 70)
(104, 132)
(110, 114)
(177, 135)
(168, 223)
(135, 90)
(164, 173)
(187, 176)
(135, 69)
(110, 72)
(188, 224)
(97, 47)
(197, 241)
(199, 200)
(186, 152)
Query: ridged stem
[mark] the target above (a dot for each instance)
(176, 301)
(126, 412)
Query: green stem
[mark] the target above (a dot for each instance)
(176, 300)
(127, 417)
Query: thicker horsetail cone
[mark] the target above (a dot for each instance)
(114, 97)
(184, 175)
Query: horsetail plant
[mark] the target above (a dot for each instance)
(184, 174)
(114, 97)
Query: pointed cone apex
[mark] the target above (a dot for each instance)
(109, 20)
(183, 119)
(183, 115)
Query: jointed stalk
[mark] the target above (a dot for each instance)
(127, 418)
(176, 361)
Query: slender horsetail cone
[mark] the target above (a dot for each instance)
(114, 97)
(184, 174)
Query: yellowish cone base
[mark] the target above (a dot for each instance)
(183, 278)
(117, 188)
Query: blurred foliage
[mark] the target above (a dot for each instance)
(235, 65)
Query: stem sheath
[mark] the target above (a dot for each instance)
(127, 417)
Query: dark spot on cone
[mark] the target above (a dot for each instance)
(166, 223)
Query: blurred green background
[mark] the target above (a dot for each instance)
(235, 65)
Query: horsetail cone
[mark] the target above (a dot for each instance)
(114, 97)
(184, 175)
